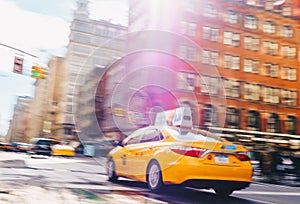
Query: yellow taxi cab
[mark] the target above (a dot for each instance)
(162, 155)
(62, 149)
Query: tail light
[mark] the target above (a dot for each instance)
(189, 151)
(243, 156)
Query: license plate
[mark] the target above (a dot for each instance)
(221, 159)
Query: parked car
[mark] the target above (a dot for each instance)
(21, 147)
(62, 149)
(167, 155)
(42, 146)
(6, 146)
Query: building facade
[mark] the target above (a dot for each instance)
(235, 63)
(19, 129)
(93, 45)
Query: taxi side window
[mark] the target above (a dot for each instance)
(152, 136)
(134, 140)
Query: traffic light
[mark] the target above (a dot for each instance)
(37, 72)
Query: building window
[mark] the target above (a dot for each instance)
(271, 95)
(69, 119)
(232, 88)
(253, 121)
(189, 6)
(232, 39)
(269, 5)
(188, 53)
(289, 73)
(269, 27)
(291, 125)
(288, 52)
(186, 81)
(232, 62)
(271, 48)
(232, 118)
(251, 43)
(250, 22)
(210, 57)
(286, 11)
(68, 131)
(287, 31)
(251, 66)
(251, 2)
(69, 108)
(271, 70)
(231, 17)
(211, 34)
(289, 97)
(209, 85)
(78, 37)
(188, 28)
(210, 116)
(81, 49)
(82, 27)
(252, 91)
(273, 123)
(210, 11)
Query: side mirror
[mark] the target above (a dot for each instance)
(118, 143)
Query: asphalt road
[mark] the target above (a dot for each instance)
(24, 179)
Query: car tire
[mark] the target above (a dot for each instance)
(154, 177)
(111, 171)
(223, 192)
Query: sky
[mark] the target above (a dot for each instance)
(39, 28)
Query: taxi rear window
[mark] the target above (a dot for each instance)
(194, 135)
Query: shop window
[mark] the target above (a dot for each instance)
(253, 121)
(210, 116)
(273, 123)
(232, 118)
(291, 125)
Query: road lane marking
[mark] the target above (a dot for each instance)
(257, 201)
(276, 185)
(268, 193)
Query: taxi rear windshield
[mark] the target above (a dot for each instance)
(194, 135)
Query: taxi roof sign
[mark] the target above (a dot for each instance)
(180, 117)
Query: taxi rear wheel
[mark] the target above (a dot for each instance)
(111, 173)
(224, 192)
(154, 177)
